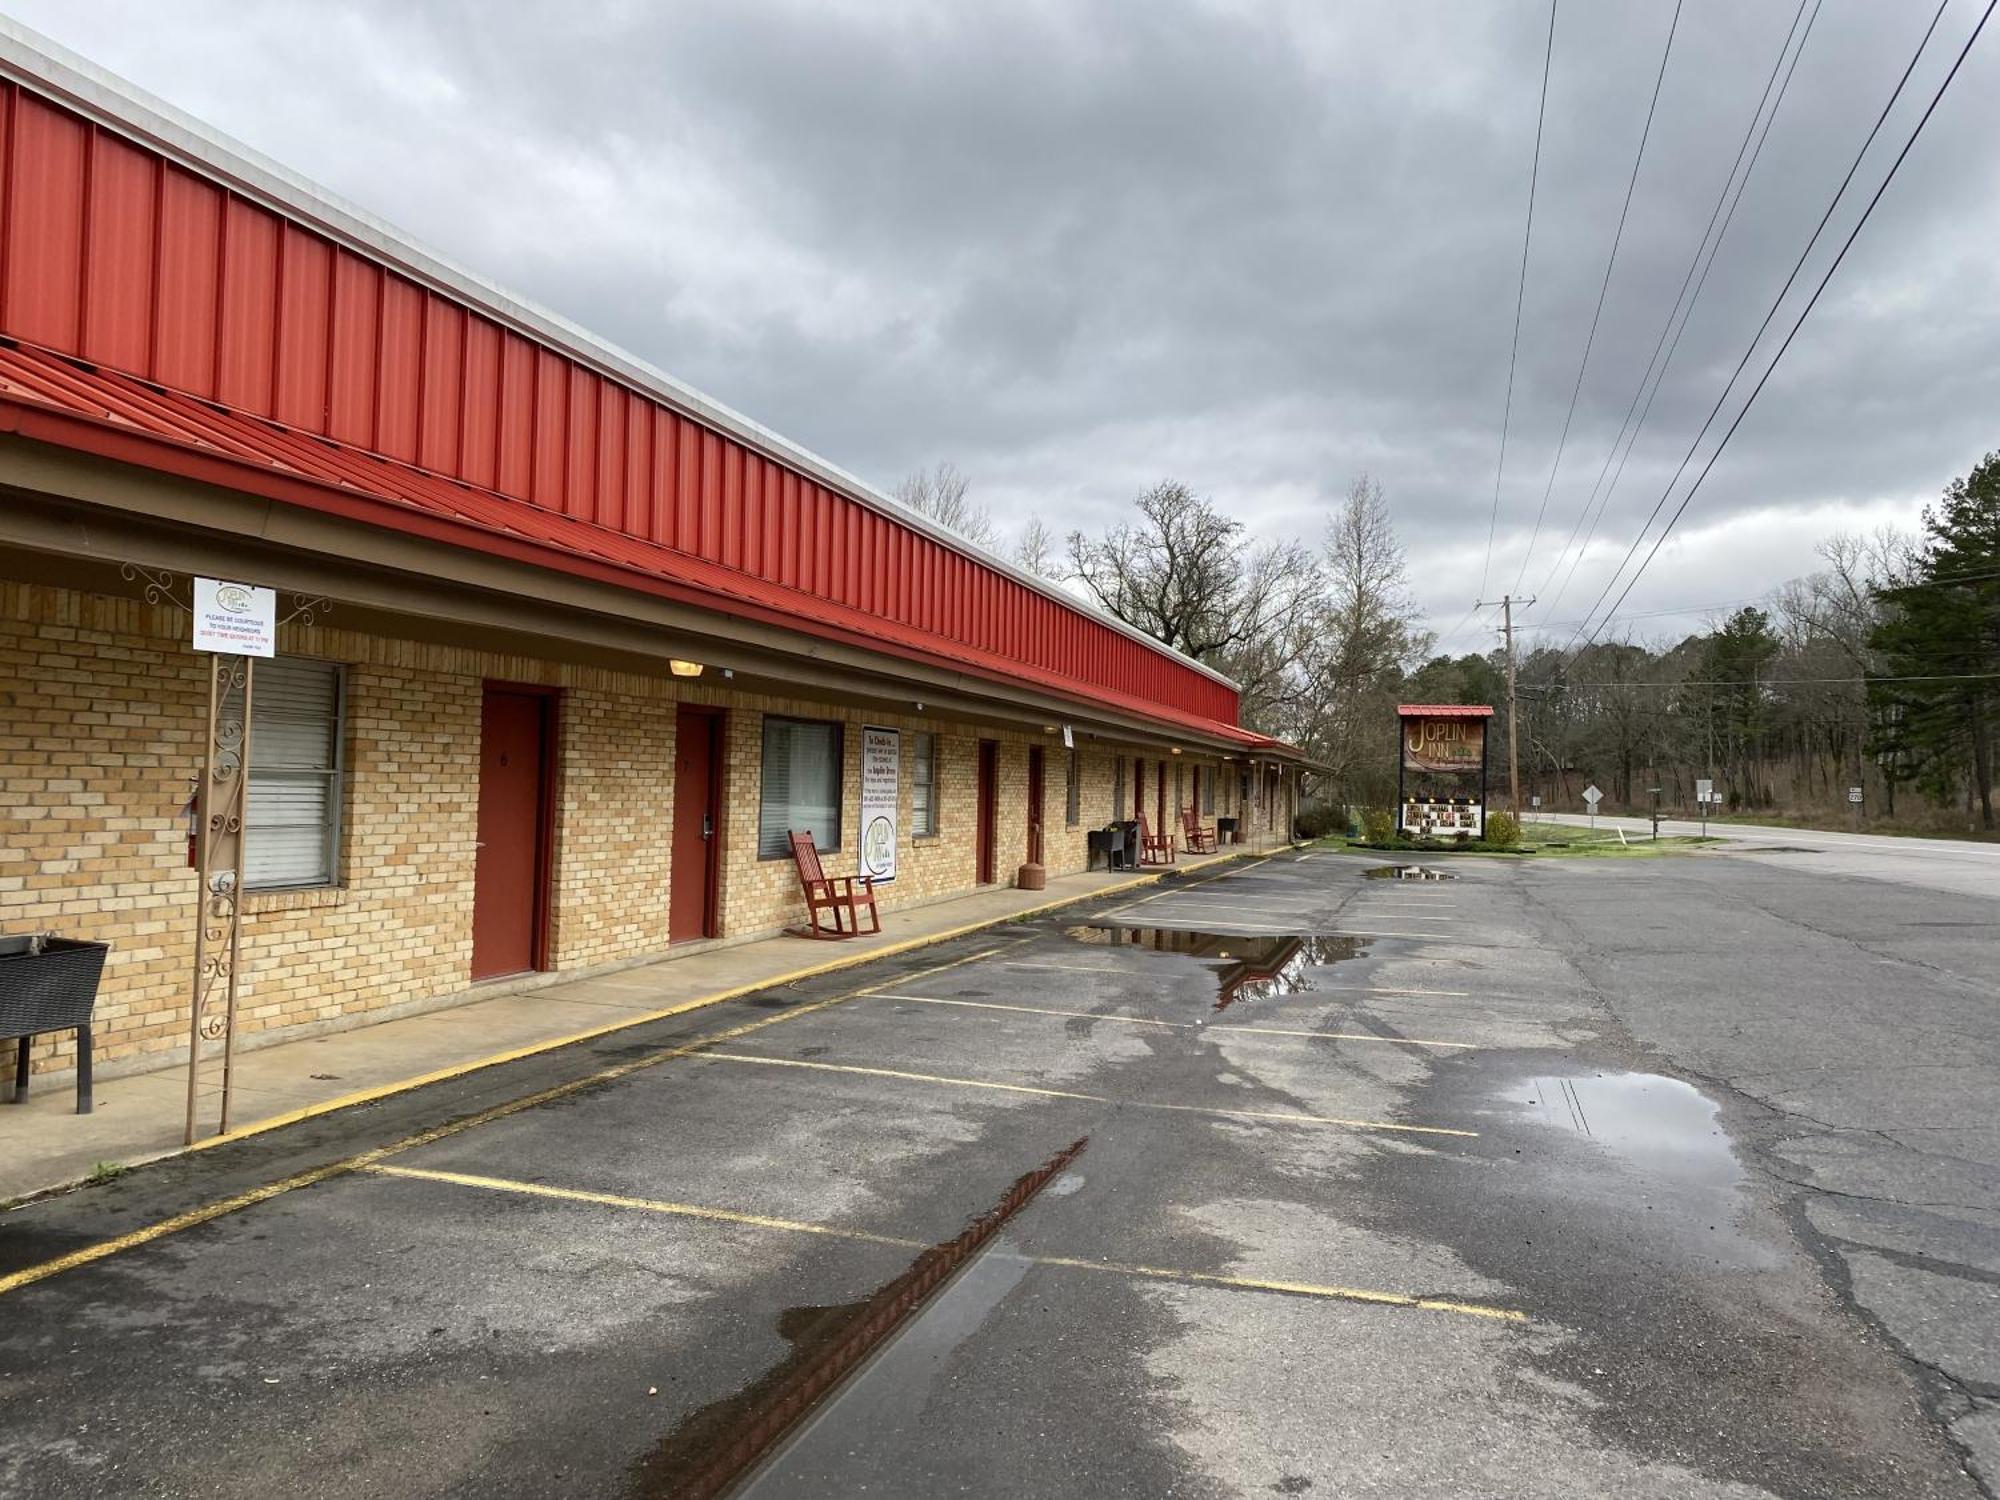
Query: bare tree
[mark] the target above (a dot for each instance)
(942, 493)
(1035, 549)
(1176, 573)
(1362, 642)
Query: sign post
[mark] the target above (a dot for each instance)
(234, 623)
(1592, 796)
(1704, 793)
(1854, 802)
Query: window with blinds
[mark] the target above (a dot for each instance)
(292, 821)
(1207, 785)
(800, 787)
(923, 787)
(1072, 804)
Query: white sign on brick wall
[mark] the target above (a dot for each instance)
(881, 757)
(235, 619)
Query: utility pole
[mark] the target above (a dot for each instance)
(1507, 603)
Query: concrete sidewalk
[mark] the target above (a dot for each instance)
(44, 1144)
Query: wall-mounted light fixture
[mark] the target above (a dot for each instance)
(684, 668)
(1175, 751)
(920, 708)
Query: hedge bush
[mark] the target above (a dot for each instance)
(1503, 830)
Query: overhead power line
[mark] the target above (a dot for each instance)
(1812, 301)
(1520, 297)
(1695, 263)
(1603, 288)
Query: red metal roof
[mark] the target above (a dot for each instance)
(59, 400)
(188, 306)
(1443, 711)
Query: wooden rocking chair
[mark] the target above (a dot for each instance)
(1199, 839)
(832, 894)
(1154, 848)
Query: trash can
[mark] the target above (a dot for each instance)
(49, 983)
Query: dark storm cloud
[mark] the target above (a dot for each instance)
(1260, 247)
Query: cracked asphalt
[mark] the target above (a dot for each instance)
(1648, 1178)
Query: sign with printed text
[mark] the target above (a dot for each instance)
(1704, 789)
(881, 769)
(1443, 744)
(235, 619)
(1854, 794)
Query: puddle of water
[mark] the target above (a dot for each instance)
(1405, 872)
(713, 1447)
(1661, 1122)
(1248, 967)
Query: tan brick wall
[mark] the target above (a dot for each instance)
(614, 826)
(101, 710)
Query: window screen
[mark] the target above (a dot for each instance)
(923, 787)
(1207, 785)
(801, 785)
(1072, 809)
(292, 823)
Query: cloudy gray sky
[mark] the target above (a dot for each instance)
(1258, 247)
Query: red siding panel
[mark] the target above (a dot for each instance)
(118, 258)
(189, 272)
(580, 446)
(517, 416)
(305, 319)
(352, 357)
(612, 458)
(479, 426)
(399, 370)
(247, 348)
(550, 432)
(443, 405)
(44, 248)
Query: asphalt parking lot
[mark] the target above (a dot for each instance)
(1298, 1178)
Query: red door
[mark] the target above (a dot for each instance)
(697, 820)
(507, 883)
(989, 792)
(1035, 804)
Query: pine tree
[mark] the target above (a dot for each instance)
(1936, 703)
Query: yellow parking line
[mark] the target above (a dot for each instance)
(27, 1275)
(646, 1205)
(1289, 1288)
(1059, 1262)
(1022, 1088)
(1039, 1010)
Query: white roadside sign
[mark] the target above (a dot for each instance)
(1593, 796)
(235, 619)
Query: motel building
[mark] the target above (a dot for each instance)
(564, 650)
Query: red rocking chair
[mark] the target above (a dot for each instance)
(832, 894)
(1199, 839)
(1154, 848)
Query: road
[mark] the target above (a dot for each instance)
(1674, 1177)
(1961, 866)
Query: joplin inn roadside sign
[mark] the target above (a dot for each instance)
(1441, 769)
